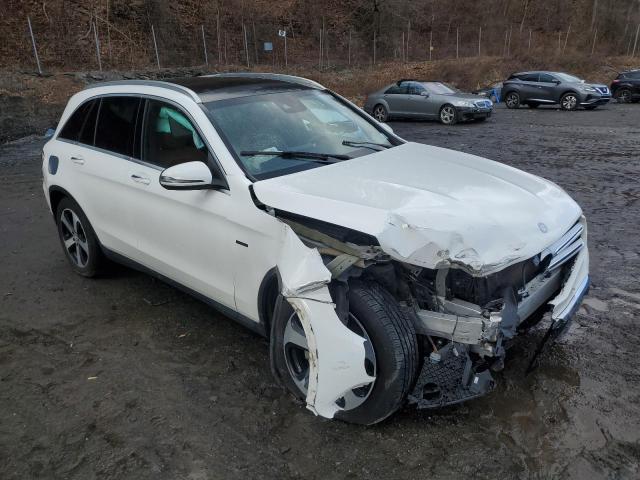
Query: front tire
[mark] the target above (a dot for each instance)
(569, 101)
(448, 115)
(380, 113)
(391, 354)
(512, 100)
(78, 239)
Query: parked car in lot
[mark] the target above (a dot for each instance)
(414, 99)
(626, 87)
(294, 212)
(553, 88)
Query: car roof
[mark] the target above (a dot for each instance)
(210, 88)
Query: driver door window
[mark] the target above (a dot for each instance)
(169, 137)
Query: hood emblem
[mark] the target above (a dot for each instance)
(543, 228)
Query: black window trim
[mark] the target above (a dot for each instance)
(216, 162)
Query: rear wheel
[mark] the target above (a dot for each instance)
(448, 115)
(380, 113)
(512, 100)
(391, 354)
(79, 241)
(623, 95)
(569, 101)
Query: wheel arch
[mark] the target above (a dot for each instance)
(56, 194)
(268, 292)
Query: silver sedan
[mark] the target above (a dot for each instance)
(427, 100)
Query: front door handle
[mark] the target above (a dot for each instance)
(140, 179)
(77, 160)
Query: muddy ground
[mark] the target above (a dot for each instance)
(125, 377)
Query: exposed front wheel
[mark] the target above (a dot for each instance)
(569, 101)
(380, 113)
(78, 239)
(391, 354)
(448, 115)
(623, 95)
(512, 100)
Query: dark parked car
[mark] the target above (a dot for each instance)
(552, 88)
(626, 87)
(427, 100)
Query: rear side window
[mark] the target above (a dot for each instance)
(635, 75)
(169, 137)
(416, 88)
(529, 77)
(81, 125)
(397, 90)
(546, 78)
(117, 124)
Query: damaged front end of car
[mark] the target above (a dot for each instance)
(464, 314)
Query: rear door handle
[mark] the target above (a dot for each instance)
(140, 179)
(77, 160)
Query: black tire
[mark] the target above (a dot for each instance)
(83, 249)
(512, 100)
(569, 101)
(380, 113)
(394, 342)
(533, 105)
(448, 114)
(623, 95)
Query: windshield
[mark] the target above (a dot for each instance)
(307, 122)
(439, 88)
(565, 77)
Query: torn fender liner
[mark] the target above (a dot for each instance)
(336, 354)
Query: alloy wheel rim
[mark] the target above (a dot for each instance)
(512, 100)
(379, 114)
(569, 102)
(296, 353)
(624, 96)
(447, 115)
(74, 238)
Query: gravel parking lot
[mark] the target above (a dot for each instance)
(125, 377)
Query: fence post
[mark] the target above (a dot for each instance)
(204, 45)
(509, 43)
(155, 46)
(529, 49)
(246, 44)
(286, 61)
(349, 54)
(219, 37)
(255, 41)
(457, 42)
(320, 57)
(33, 42)
(430, 44)
(95, 35)
(566, 39)
(595, 36)
(479, 40)
(635, 43)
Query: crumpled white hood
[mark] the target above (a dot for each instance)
(431, 206)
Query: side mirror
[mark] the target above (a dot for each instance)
(557, 82)
(424, 93)
(190, 176)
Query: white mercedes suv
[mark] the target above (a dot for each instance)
(382, 271)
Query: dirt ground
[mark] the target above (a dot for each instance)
(125, 377)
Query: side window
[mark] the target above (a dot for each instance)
(546, 78)
(415, 89)
(397, 90)
(169, 137)
(529, 77)
(635, 75)
(81, 125)
(117, 124)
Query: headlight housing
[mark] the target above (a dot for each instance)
(463, 103)
(586, 88)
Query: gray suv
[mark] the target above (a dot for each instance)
(552, 88)
(427, 100)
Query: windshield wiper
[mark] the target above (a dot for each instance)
(354, 143)
(320, 157)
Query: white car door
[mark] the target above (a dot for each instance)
(97, 167)
(184, 235)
